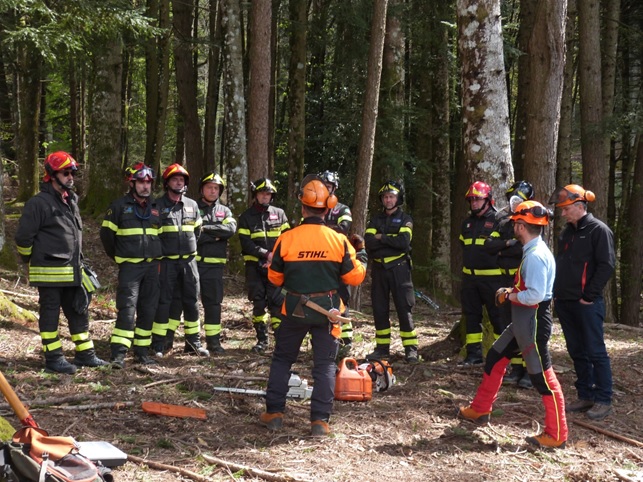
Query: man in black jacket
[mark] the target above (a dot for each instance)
(388, 244)
(259, 227)
(49, 238)
(180, 228)
(130, 237)
(218, 226)
(584, 264)
(481, 275)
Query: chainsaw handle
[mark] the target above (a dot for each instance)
(19, 409)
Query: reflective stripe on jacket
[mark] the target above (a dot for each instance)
(218, 226)
(180, 226)
(49, 237)
(475, 231)
(395, 244)
(259, 228)
(130, 232)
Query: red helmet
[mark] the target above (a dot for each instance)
(141, 172)
(57, 161)
(531, 212)
(570, 194)
(479, 190)
(175, 170)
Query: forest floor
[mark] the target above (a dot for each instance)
(408, 432)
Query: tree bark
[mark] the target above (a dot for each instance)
(526, 19)
(296, 92)
(212, 96)
(186, 85)
(484, 94)
(28, 89)
(105, 175)
(369, 116)
(157, 83)
(546, 51)
(259, 88)
(632, 248)
(595, 169)
(234, 111)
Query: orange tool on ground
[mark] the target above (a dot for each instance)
(168, 410)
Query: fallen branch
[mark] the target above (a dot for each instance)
(162, 382)
(110, 405)
(170, 468)
(250, 471)
(19, 295)
(49, 401)
(613, 435)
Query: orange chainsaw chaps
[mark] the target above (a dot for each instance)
(168, 410)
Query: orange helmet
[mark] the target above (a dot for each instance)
(314, 193)
(57, 161)
(531, 212)
(570, 194)
(175, 170)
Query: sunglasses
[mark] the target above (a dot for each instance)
(68, 172)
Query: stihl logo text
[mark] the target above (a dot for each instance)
(312, 255)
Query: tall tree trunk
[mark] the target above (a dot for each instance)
(6, 118)
(212, 96)
(564, 149)
(526, 19)
(595, 169)
(546, 52)
(234, 140)
(74, 109)
(369, 116)
(260, 55)
(28, 82)
(484, 94)
(186, 86)
(105, 174)
(157, 82)
(390, 153)
(632, 248)
(296, 99)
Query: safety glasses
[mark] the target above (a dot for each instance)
(535, 211)
(68, 172)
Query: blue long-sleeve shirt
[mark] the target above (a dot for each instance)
(536, 274)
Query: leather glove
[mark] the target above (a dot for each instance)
(502, 295)
(357, 241)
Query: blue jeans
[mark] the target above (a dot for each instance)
(583, 329)
(289, 338)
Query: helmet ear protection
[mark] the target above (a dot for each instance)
(314, 193)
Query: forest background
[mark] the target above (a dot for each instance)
(432, 93)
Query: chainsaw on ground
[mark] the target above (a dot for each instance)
(297, 389)
(427, 300)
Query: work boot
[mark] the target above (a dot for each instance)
(213, 345)
(474, 355)
(88, 358)
(470, 414)
(272, 421)
(411, 355)
(544, 440)
(168, 343)
(55, 362)
(381, 352)
(599, 411)
(579, 406)
(525, 381)
(262, 338)
(512, 377)
(158, 345)
(142, 357)
(118, 361)
(193, 346)
(319, 428)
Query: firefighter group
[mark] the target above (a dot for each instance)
(171, 252)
